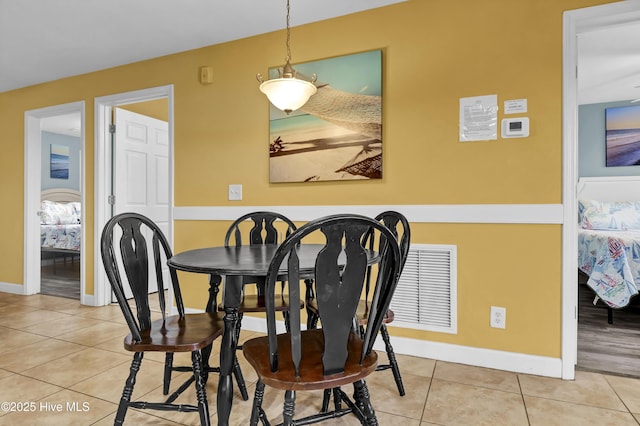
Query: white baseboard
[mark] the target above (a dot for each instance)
(479, 357)
(11, 288)
(86, 299)
(487, 358)
(89, 300)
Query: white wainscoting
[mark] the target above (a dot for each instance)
(443, 213)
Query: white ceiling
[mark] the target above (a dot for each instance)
(67, 124)
(609, 64)
(45, 40)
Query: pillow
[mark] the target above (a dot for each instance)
(53, 213)
(609, 215)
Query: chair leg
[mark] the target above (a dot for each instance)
(392, 359)
(201, 392)
(128, 388)
(257, 403)
(212, 306)
(168, 366)
(237, 372)
(326, 397)
(363, 401)
(289, 407)
(337, 399)
(242, 387)
(206, 354)
(312, 318)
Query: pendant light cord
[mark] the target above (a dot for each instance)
(288, 58)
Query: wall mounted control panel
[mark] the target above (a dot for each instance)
(515, 127)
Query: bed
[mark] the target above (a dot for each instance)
(60, 222)
(609, 238)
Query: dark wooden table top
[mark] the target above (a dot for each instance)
(243, 260)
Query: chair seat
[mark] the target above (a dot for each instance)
(312, 377)
(363, 314)
(192, 333)
(255, 303)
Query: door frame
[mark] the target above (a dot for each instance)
(103, 107)
(33, 187)
(576, 22)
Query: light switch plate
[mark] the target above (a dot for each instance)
(235, 192)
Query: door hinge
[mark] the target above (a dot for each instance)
(112, 128)
(111, 200)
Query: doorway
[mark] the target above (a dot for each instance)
(43, 128)
(105, 205)
(576, 22)
(61, 208)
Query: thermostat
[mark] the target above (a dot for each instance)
(515, 127)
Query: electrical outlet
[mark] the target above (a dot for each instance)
(498, 317)
(235, 192)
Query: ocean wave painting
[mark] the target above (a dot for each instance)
(59, 162)
(623, 136)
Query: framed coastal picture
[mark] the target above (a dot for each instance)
(337, 134)
(59, 162)
(623, 135)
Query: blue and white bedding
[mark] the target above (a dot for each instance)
(609, 249)
(60, 237)
(60, 227)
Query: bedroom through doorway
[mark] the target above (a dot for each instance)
(609, 345)
(61, 208)
(54, 164)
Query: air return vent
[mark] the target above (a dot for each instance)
(426, 296)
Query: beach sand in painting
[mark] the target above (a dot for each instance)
(318, 159)
(309, 149)
(623, 150)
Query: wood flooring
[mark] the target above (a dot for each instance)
(61, 279)
(607, 348)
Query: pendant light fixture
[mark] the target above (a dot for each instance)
(287, 92)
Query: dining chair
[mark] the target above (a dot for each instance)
(262, 227)
(336, 354)
(126, 243)
(399, 226)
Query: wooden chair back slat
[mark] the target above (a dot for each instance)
(263, 230)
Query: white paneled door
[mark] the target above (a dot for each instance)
(141, 170)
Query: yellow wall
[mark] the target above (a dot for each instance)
(434, 53)
(155, 109)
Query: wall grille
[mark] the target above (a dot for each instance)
(426, 296)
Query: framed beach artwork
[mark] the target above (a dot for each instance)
(337, 134)
(623, 135)
(59, 161)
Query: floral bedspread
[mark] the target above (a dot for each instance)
(611, 259)
(60, 237)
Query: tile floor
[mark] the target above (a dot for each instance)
(63, 364)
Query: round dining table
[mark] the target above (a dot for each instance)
(235, 264)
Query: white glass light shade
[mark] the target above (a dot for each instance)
(288, 93)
